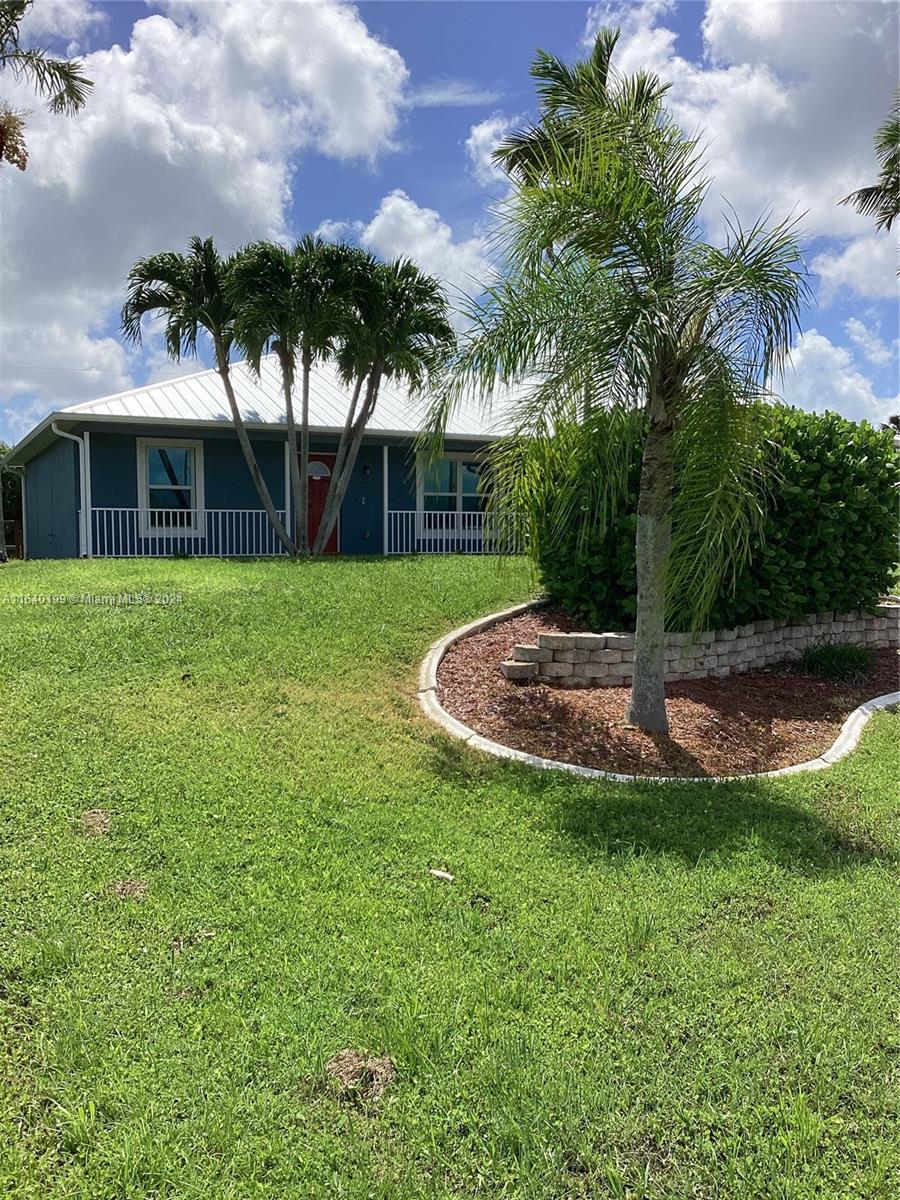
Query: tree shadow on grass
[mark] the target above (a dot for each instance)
(705, 820)
(600, 819)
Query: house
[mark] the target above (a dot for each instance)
(158, 471)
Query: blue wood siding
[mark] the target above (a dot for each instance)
(361, 530)
(227, 481)
(52, 491)
(401, 477)
(51, 502)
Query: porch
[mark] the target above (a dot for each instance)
(246, 533)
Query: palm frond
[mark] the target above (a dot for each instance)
(882, 199)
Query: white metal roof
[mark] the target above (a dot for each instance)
(200, 398)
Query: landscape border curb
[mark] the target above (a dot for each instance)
(846, 741)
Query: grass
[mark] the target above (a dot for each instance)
(628, 991)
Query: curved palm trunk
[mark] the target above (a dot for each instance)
(249, 457)
(653, 542)
(332, 503)
(341, 482)
(302, 508)
(298, 486)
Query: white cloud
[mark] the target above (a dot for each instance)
(194, 127)
(339, 231)
(824, 377)
(786, 100)
(870, 342)
(66, 19)
(451, 93)
(866, 266)
(481, 143)
(402, 227)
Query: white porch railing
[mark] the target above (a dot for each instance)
(246, 533)
(164, 532)
(412, 532)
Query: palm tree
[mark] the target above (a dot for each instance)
(399, 328)
(190, 292)
(570, 99)
(882, 199)
(62, 82)
(664, 330)
(292, 303)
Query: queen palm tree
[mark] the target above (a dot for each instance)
(570, 99)
(665, 331)
(292, 302)
(398, 328)
(61, 82)
(189, 291)
(881, 200)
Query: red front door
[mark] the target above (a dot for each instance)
(319, 480)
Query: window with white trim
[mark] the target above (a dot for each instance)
(170, 486)
(451, 485)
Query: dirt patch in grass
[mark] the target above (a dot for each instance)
(95, 822)
(738, 725)
(360, 1077)
(130, 889)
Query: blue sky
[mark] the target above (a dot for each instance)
(376, 122)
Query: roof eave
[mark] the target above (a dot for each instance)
(26, 449)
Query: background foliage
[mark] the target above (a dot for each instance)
(11, 482)
(828, 540)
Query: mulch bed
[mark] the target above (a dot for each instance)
(736, 725)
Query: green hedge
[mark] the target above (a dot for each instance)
(829, 542)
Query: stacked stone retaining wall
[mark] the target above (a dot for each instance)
(605, 659)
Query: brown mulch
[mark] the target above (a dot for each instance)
(736, 725)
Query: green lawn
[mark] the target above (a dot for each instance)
(628, 991)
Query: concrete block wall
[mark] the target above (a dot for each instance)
(605, 659)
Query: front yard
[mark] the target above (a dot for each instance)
(627, 991)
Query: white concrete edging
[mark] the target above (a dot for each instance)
(847, 739)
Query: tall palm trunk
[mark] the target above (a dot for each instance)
(332, 503)
(303, 507)
(298, 487)
(342, 482)
(653, 543)
(249, 456)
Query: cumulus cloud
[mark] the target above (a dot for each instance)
(866, 266)
(825, 377)
(870, 342)
(195, 126)
(781, 131)
(66, 19)
(481, 143)
(402, 227)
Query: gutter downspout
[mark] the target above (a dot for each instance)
(83, 519)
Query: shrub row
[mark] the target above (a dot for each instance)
(829, 540)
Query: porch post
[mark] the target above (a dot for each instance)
(24, 519)
(385, 496)
(88, 522)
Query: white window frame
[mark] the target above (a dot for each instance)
(421, 468)
(197, 527)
